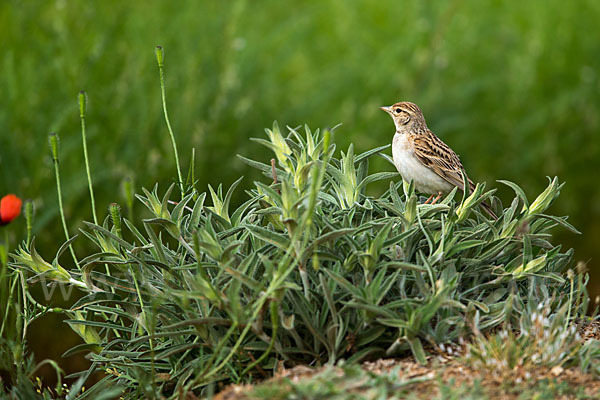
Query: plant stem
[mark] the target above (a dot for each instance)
(147, 322)
(275, 324)
(82, 109)
(8, 302)
(159, 58)
(54, 147)
(571, 277)
(29, 220)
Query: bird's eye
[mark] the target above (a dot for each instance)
(397, 110)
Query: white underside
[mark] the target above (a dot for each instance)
(411, 169)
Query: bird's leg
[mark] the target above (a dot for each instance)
(437, 198)
(428, 200)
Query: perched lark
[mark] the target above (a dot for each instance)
(422, 157)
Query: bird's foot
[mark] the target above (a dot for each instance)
(428, 200)
(437, 198)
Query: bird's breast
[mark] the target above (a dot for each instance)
(411, 169)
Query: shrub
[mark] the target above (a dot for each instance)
(309, 270)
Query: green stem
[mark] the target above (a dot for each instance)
(159, 58)
(9, 302)
(29, 220)
(567, 321)
(203, 373)
(82, 109)
(4, 254)
(147, 321)
(23, 308)
(54, 148)
(275, 323)
(57, 369)
(231, 353)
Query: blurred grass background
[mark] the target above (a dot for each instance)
(512, 87)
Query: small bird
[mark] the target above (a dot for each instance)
(422, 157)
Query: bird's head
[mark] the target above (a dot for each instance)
(407, 116)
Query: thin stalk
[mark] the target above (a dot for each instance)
(82, 110)
(57, 369)
(4, 253)
(203, 373)
(5, 278)
(231, 353)
(29, 220)
(191, 179)
(147, 321)
(8, 302)
(54, 147)
(275, 323)
(159, 59)
(570, 274)
(19, 325)
(23, 307)
(4, 256)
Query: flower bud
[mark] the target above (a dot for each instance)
(279, 146)
(570, 274)
(289, 198)
(545, 199)
(82, 103)
(159, 208)
(53, 140)
(160, 56)
(115, 215)
(32, 260)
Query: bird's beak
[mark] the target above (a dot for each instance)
(386, 109)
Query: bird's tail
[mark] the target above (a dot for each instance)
(483, 204)
(488, 210)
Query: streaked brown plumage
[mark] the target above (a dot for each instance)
(420, 156)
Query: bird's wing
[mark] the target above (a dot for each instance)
(437, 156)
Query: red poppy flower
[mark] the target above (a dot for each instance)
(10, 208)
